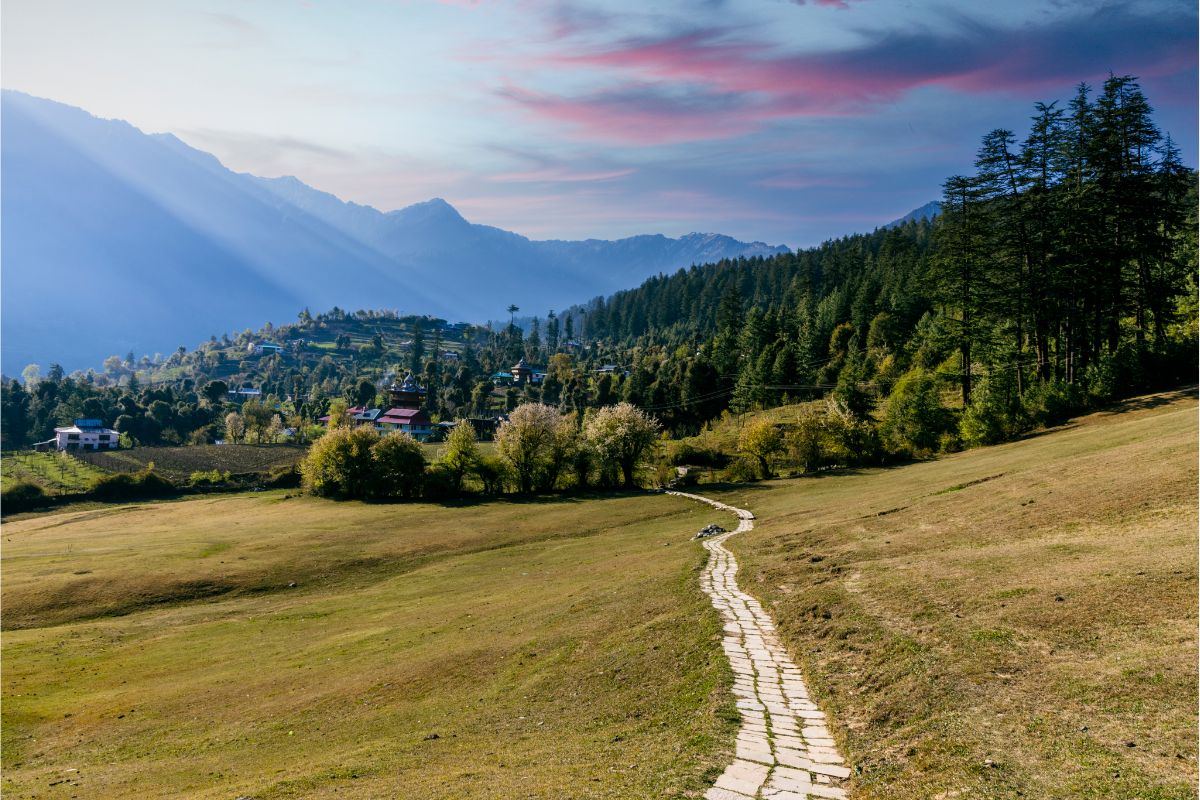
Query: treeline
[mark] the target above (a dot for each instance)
(1060, 273)
(537, 449)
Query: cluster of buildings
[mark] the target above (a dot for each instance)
(403, 414)
(519, 374)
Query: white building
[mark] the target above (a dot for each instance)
(264, 348)
(87, 434)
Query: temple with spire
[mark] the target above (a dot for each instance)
(405, 413)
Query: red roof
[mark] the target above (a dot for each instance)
(404, 416)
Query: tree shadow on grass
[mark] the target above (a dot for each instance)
(1150, 401)
(535, 499)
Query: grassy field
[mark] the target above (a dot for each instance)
(275, 647)
(1015, 621)
(178, 463)
(57, 473)
(1010, 622)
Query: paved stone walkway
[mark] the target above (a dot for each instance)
(784, 750)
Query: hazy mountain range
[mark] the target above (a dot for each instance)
(115, 240)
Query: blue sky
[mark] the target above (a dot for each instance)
(787, 122)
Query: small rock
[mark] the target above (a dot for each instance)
(987, 762)
(710, 530)
(292, 585)
(1131, 744)
(432, 736)
(1058, 598)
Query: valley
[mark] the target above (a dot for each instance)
(1002, 621)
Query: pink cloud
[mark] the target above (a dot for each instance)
(562, 175)
(702, 84)
(634, 115)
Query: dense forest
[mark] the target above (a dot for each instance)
(1060, 273)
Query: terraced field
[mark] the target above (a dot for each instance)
(177, 463)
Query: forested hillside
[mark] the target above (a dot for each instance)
(1060, 273)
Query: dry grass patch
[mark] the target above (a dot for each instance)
(540, 649)
(1016, 621)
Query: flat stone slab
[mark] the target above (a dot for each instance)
(784, 748)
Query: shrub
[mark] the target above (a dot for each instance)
(492, 472)
(851, 439)
(581, 464)
(913, 417)
(761, 439)
(126, 486)
(690, 454)
(741, 470)
(398, 466)
(1053, 402)
(22, 497)
(461, 452)
(995, 413)
(283, 478)
(339, 463)
(687, 479)
(440, 482)
(806, 440)
(212, 477)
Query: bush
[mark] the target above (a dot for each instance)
(22, 497)
(761, 439)
(806, 440)
(339, 463)
(913, 417)
(850, 439)
(741, 470)
(492, 472)
(398, 466)
(283, 478)
(213, 477)
(1053, 402)
(995, 413)
(126, 486)
(682, 454)
(441, 482)
(529, 442)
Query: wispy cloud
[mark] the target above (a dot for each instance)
(561, 175)
(711, 83)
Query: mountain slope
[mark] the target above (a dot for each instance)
(925, 212)
(115, 240)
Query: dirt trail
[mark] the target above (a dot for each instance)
(784, 750)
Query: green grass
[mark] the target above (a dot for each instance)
(274, 647)
(1029, 631)
(57, 473)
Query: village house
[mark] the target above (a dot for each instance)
(87, 434)
(261, 348)
(405, 413)
(523, 373)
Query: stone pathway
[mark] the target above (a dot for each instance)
(784, 750)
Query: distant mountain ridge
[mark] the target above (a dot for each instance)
(927, 211)
(116, 240)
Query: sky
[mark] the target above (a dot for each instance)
(788, 122)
